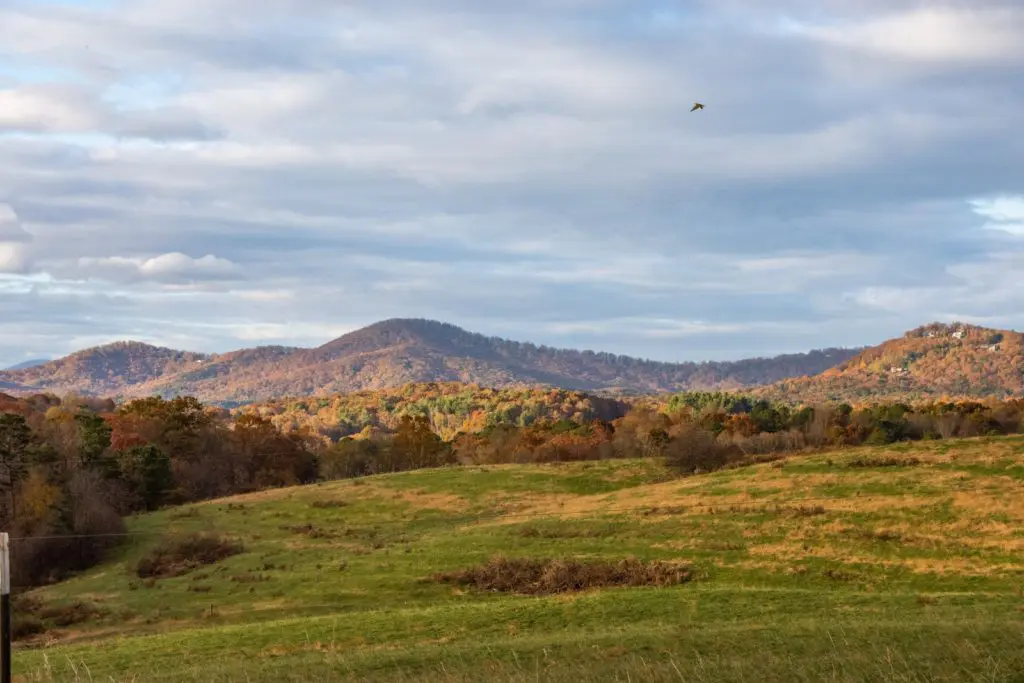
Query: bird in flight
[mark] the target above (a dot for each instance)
(696, 106)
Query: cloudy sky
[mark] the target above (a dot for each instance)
(214, 174)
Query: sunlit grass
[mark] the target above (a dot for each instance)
(839, 566)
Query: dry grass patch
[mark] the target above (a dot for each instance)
(309, 530)
(780, 556)
(694, 494)
(417, 498)
(177, 556)
(548, 577)
(989, 502)
(31, 617)
(328, 503)
(264, 496)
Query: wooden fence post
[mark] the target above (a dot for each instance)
(5, 608)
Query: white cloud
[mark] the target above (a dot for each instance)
(931, 34)
(77, 109)
(45, 108)
(903, 300)
(1005, 212)
(173, 267)
(179, 264)
(15, 251)
(265, 295)
(529, 167)
(796, 272)
(11, 229)
(14, 258)
(307, 333)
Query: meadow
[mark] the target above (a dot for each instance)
(896, 563)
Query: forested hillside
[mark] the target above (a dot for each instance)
(390, 354)
(931, 361)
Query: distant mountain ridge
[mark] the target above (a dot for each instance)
(387, 354)
(25, 364)
(957, 360)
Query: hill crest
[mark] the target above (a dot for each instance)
(392, 353)
(931, 361)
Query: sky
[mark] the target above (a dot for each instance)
(217, 174)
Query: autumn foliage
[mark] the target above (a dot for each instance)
(933, 362)
(391, 353)
(77, 467)
(72, 468)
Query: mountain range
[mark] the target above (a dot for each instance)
(934, 360)
(28, 364)
(388, 354)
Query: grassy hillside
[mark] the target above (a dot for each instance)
(898, 563)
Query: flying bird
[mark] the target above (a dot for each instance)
(696, 106)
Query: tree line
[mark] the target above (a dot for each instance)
(71, 470)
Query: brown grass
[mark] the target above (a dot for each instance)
(31, 617)
(327, 504)
(421, 499)
(535, 532)
(691, 494)
(177, 556)
(308, 530)
(547, 577)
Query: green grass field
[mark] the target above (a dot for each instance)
(903, 563)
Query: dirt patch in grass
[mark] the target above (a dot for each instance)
(177, 556)
(548, 577)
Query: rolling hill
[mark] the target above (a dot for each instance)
(847, 566)
(389, 354)
(101, 370)
(931, 361)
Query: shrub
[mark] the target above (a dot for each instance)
(177, 556)
(545, 577)
(866, 462)
(25, 621)
(327, 504)
(30, 617)
(695, 449)
(69, 614)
